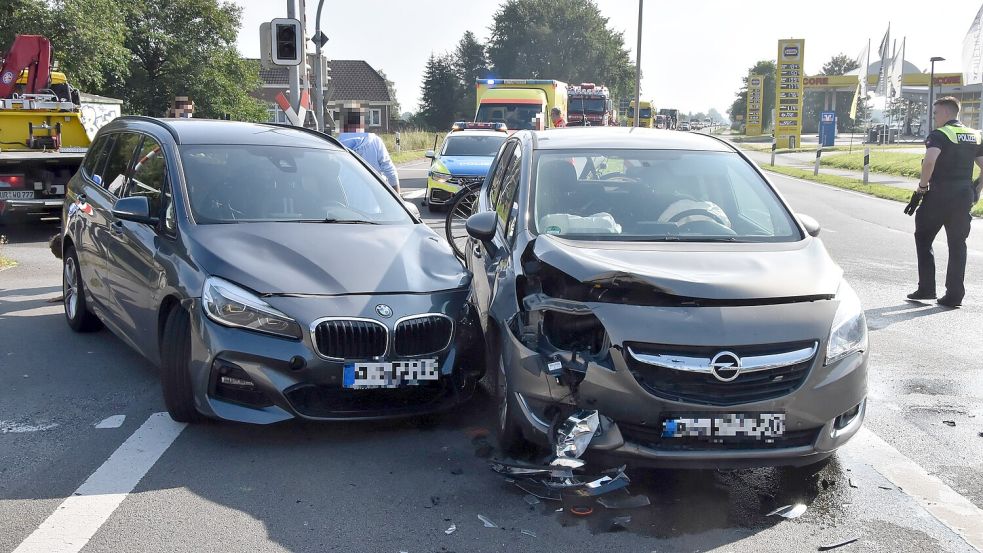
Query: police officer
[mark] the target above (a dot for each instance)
(946, 193)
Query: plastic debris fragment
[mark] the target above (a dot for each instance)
(451, 530)
(838, 544)
(531, 499)
(949, 423)
(581, 511)
(487, 522)
(574, 434)
(789, 511)
(853, 484)
(529, 533)
(624, 501)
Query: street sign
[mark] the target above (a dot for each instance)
(789, 88)
(755, 90)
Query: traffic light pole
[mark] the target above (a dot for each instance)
(295, 70)
(319, 91)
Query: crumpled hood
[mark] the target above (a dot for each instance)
(466, 165)
(709, 271)
(328, 259)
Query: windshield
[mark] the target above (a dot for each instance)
(242, 184)
(474, 145)
(656, 195)
(644, 112)
(591, 105)
(515, 116)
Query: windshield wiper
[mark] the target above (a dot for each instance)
(330, 220)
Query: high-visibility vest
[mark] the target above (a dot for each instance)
(955, 163)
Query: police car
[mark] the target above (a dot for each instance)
(463, 159)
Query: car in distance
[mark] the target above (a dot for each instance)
(659, 279)
(463, 160)
(267, 270)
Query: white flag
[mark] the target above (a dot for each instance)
(896, 72)
(885, 55)
(862, 68)
(973, 51)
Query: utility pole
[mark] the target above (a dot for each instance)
(638, 64)
(319, 41)
(294, 72)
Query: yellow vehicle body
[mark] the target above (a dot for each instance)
(645, 116)
(520, 103)
(14, 128)
(57, 77)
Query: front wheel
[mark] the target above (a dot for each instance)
(461, 206)
(175, 358)
(511, 440)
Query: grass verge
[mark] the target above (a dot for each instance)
(878, 190)
(406, 156)
(891, 163)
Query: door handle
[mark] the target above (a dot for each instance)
(477, 251)
(116, 227)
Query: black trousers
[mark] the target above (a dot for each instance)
(944, 206)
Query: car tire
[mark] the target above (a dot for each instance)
(175, 378)
(511, 440)
(80, 318)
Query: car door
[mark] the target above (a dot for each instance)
(477, 253)
(498, 266)
(134, 272)
(95, 211)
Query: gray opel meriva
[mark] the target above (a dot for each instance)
(268, 271)
(658, 279)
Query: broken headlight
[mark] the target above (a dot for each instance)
(849, 331)
(230, 305)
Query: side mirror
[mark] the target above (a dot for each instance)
(481, 226)
(811, 225)
(134, 208)
(411, 207)
(430, 154)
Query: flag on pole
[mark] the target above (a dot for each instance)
(973, 51)
(885, 55)
(863, 61)
(897, 71)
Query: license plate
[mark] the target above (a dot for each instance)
(390, 375)
(16, 194)
(722, 427)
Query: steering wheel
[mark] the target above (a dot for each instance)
(697, 211)
(618, 176)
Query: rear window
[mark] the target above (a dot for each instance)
(656, 195)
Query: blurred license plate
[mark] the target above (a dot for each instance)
(390, 375)
(758, 426)
(17, 195)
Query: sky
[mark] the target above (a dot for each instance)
(693, 55)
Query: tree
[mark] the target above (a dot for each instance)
(470, 64)
(187, 48)
(439, 93)
(391, 88)
(767, 68)
(567, 40)
(716, 116)
(840, 64)
(815, 101)
(22, 17)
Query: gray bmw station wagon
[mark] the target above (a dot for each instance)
(658, 279)
(268, 271)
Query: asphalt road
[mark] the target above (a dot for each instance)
(909, 482)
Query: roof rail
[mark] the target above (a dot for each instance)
(177, 139)
(310, 131)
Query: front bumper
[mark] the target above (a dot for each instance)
(811, 410)
(290, 380)
(441, 193)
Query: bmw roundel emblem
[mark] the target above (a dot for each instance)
(384, 310)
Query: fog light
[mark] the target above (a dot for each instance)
(846, 418)
(230, 382)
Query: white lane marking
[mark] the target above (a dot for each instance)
(10, 427)
(414, 193)
(114, 421)
(80, 516)
(951, 509)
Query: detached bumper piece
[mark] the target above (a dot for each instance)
(557, 480)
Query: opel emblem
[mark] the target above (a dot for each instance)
(384, 310)
(725, 366)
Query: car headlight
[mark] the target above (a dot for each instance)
(439, 177)
(849, 331)
(229, 305)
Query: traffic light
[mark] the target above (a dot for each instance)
(287, 41)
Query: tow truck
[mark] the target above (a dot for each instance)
(520, 103)
(42, 134)
(589, 105)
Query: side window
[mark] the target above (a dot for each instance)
(94, 155)
(499, 172)
(99, 162)
(118, 162)
(149, 174)
(510, 184)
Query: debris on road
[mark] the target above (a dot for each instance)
(619, 523)
(852, 483)
(885, 487)
(832, 546)
(531, 499)
(789, 511)
(457, 471)
(575, 433)
(581, 511)
(625, 502)
(487, 522)
(529, 533)
(451, 530)
(949, 423)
